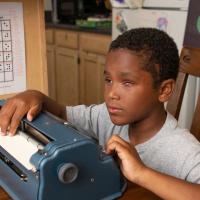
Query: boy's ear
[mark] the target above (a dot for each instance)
(166, 89)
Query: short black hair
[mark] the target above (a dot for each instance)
(158, 50)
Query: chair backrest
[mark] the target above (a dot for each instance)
(189, 65)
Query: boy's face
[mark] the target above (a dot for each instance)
(129, 93)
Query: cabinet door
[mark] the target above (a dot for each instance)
(49, 36)
(67, 76)
(51, 71)
(91, 78)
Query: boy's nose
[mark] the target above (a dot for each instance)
(113, 93)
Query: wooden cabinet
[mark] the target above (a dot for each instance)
(67, 74)
(67, 78)
(67, 39)
(91, 78)
(75, 66)
(50, 52)
(62, 63)
(51, 71)
(93, 49)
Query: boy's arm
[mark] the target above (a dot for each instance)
(29, 103)
(167, 187)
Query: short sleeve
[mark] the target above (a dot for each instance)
(193, 174)
(86, 118)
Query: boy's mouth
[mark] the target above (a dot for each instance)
(114, 110)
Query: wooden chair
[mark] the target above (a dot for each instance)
(189, 65)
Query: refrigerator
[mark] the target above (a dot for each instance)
(159, 14)
(167, 15)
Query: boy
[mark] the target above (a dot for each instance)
(140, 72)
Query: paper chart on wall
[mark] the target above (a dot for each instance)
(12, 48)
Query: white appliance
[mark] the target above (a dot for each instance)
(176, 4)
(171, 20)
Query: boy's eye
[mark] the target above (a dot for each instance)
(107, 80)
(128, 83)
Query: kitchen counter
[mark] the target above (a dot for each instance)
(77, 28)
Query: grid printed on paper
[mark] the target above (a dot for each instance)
(6, 54)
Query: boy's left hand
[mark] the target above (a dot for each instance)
(129, 160)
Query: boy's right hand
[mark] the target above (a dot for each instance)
(130, 163)
(27, 103)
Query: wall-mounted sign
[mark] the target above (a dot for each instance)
(12, 48)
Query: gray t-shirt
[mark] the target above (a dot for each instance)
(173, 151)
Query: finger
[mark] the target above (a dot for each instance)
(2, 132)
(116, 147)
(130, 149)
(15, 121)
(6, 114)
(33, 112)
(118, 139)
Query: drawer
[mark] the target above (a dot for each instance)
(96, 43)
(49, 36)
(66, 39)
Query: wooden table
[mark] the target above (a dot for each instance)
(4, 195)
(133, 192)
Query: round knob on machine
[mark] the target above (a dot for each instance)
(68, 173)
